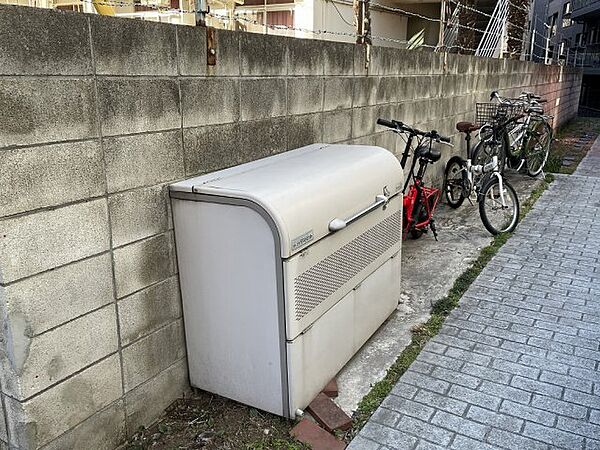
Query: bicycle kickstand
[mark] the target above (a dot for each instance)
(433, 229)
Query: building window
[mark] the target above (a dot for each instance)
(552, 23)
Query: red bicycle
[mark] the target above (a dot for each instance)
(420, 201)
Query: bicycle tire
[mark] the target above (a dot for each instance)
(420, 215)
(484, 212)
(533, 170)
(484, 150)
(455, 198)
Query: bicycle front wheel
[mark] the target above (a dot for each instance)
(538, 147)
(498, 208)
(486, 149)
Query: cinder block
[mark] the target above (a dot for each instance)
(133, 47)
(48, 239)
(359, 60)
(262, 98)
(38, 421)
(105, 430)
(263, 55)
(210, 101)
(407, 91)
(143, 159)
(144, 263)
(337, 126)
(365, 91)
(39, 110)
(338, 58)
(34, 363)
(130, 105)
(145, 311)
(59, 45)
(3, 433)
(304, 130)
(386, 61)
(192, 50)
(262, 138)
(337, 93)
(364, 121)
(73, 290)
(211, 148)
(305, 57)
(388, 90)
(227, 46)
(146, 358)
(138, 214)
(304, 95)
(37, 177)
(148, 401)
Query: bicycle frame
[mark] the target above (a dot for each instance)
(418, 194)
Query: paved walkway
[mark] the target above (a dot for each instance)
(516, 366)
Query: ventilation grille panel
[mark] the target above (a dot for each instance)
(324, 278)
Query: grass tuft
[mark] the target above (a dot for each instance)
(421, 334)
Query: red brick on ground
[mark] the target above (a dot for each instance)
(328, 414)
(331, 390)
(316, 437)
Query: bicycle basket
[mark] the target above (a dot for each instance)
(495, 113)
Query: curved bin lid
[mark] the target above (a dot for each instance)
(303, 190)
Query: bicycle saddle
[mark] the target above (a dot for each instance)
(430, 154)
(467, 127)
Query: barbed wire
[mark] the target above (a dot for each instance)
(242, 18)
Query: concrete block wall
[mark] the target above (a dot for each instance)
(97, 116)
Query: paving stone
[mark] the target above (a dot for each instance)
(361, 443)
(328, 414)
(486, 373)
(386, 417)
(317, 438)
(460, 425)
(494, 419)
(475, 397)
(389, 437)
(466, 443)
(408, 407)
(441, 402)
(539, 387)
(553, 436)
(527, 413)
(419, 428)
(331, 389)
(511, 441)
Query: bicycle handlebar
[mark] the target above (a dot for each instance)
(397, 125)
(386, 123)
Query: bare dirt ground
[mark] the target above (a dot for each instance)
(209, 422)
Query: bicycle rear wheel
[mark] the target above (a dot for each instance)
(498, 216)
(538, 147)
(454, 182)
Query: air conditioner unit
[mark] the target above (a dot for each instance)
(287, 266)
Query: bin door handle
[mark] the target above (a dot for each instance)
(338, 224)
